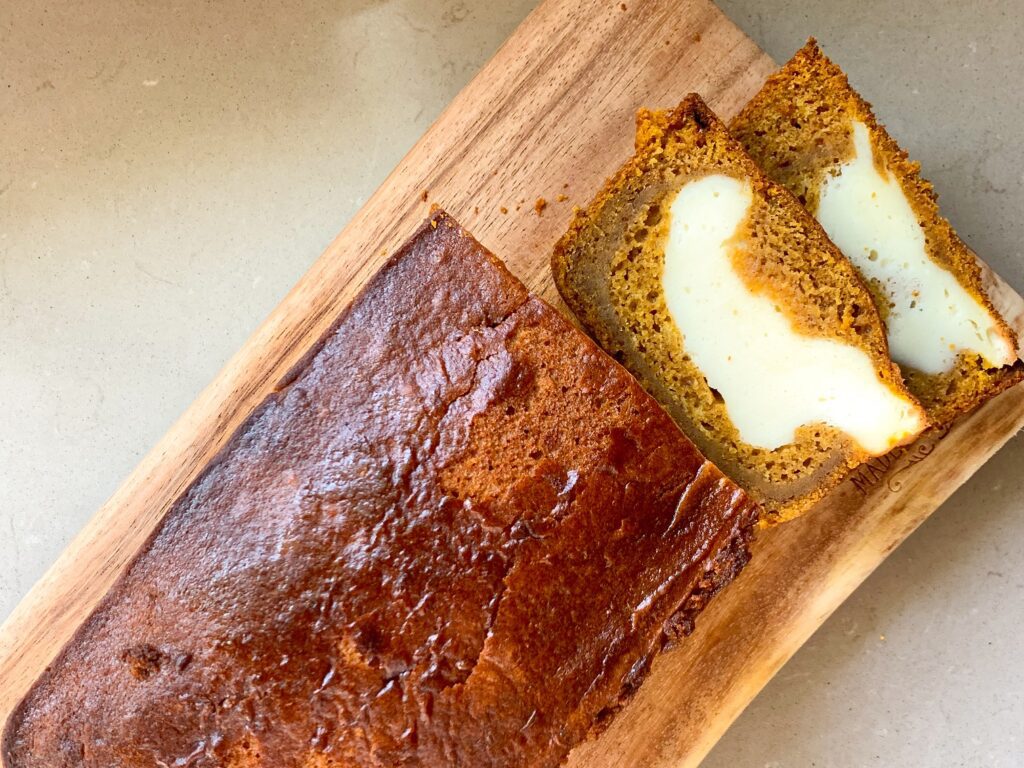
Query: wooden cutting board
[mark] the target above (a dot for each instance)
(550, 114)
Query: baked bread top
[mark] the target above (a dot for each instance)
(714, 286)
(456, 536)
(812, 132)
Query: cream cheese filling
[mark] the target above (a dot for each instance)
(931, 318)
(772, 378)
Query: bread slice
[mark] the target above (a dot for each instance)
(810, 131)
(726, 299)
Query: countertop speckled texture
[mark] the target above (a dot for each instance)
(166, 174)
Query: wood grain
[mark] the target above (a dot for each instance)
(550, 114)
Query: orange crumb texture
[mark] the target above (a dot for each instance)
(562, 198)
(540, 205)
(424, 194)
(503, 209)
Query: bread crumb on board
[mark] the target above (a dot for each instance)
(424, 195)
(539, 205)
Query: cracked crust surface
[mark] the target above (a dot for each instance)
(457, 536)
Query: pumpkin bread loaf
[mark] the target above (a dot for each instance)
(456, 536)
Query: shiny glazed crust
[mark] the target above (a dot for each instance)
(456, 536)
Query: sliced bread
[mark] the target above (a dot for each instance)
(810, 131)
(728, 302)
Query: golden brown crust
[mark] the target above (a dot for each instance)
(618, 298)
(799, 127)
(456, 536)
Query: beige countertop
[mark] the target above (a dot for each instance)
(168, 172)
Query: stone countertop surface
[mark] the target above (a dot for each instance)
(167, 173)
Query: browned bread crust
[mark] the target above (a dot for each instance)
(456, 536)
(797, 128)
